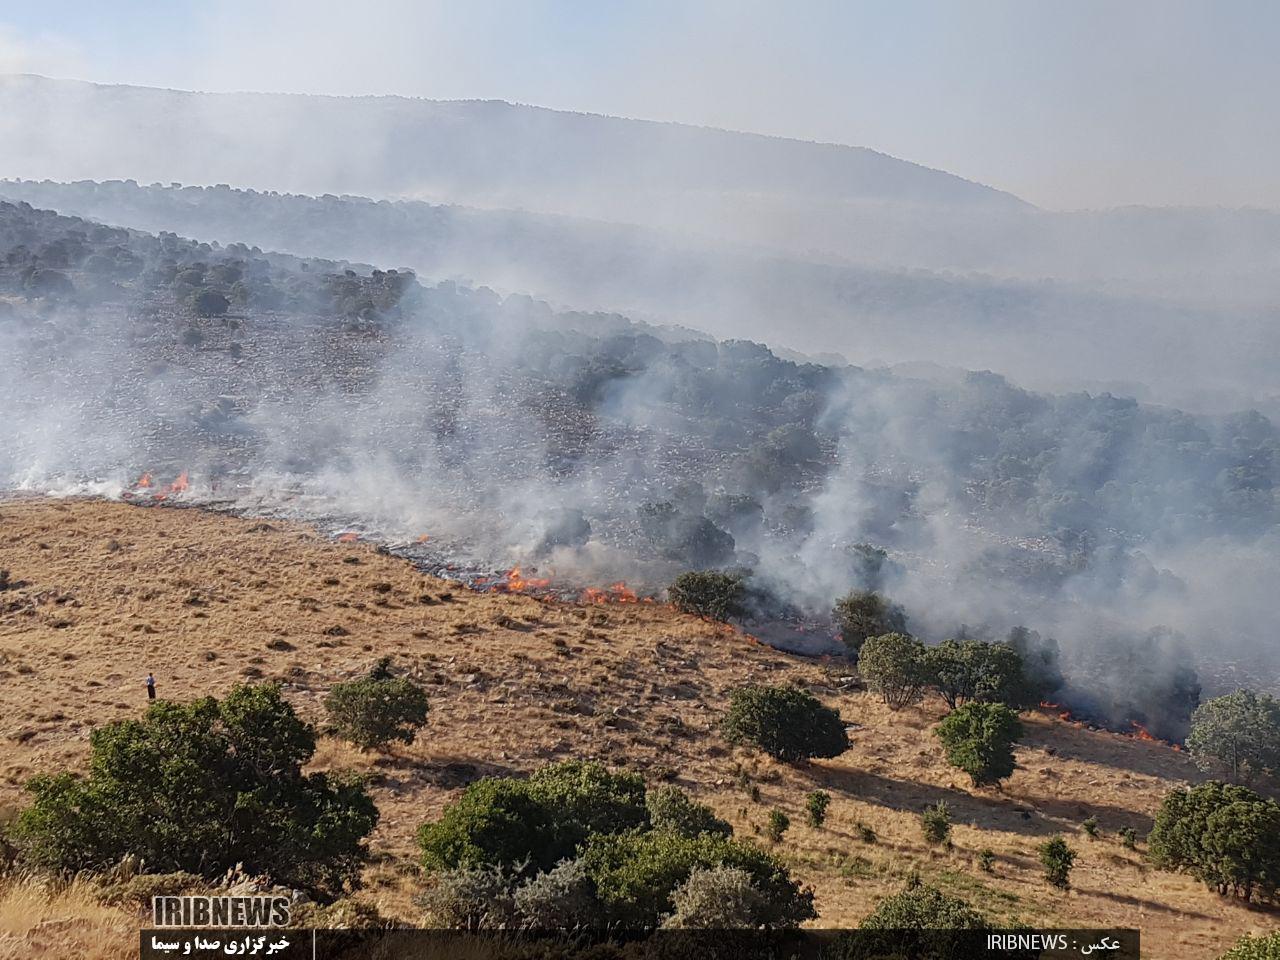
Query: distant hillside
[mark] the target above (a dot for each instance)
(780, 194)
(1159, 348)
(512, 154)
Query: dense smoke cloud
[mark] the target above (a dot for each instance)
(588, 449)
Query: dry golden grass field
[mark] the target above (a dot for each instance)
(107, 592)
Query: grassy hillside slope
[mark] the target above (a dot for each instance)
(106, 592)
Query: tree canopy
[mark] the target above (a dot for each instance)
(865, 613)
(979, 738)
(787, 723)
(536, 822)
(1239, 731)
(377, 709)
(965, 670)
(893, 666)
(200, 787)
(1226, 836)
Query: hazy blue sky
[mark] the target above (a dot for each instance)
(1068, 103)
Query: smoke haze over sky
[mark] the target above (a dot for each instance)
(1086, 104)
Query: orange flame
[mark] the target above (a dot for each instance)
(517, 582)
(348, 538)
(1063, 715)
(1141, 732)
(423, 539)
(614, 593)
(181, 484)
(144, 481)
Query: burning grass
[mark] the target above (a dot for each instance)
(1136, 730)
(515, 681)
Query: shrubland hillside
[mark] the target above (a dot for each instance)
(99, 594)
(865, 309)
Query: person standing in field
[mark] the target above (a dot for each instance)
(151, 686)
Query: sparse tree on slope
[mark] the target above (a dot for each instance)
(979, 738)
(865, 613)
(893, 666)
(1240, 731)
(375, 710)
(787, 723)
(200, 787)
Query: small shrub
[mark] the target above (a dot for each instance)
(670, 808)
(718, 898)
(138, 890)
(474, 897)
(978, 738)
(706, 593)
(1057, 858)
(787, 723)
(1090, 827)
(559, 899)
(854, 867)
(865, 832)
(636, 875)
(344, 914)
(535, 823)
(777, 825)
(815, 804)
(935, 822)
(892, 664)
(1255, 948)
(987, 860)
(1129, 837)
(377, 709)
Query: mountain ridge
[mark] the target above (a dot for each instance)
(722, 159)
